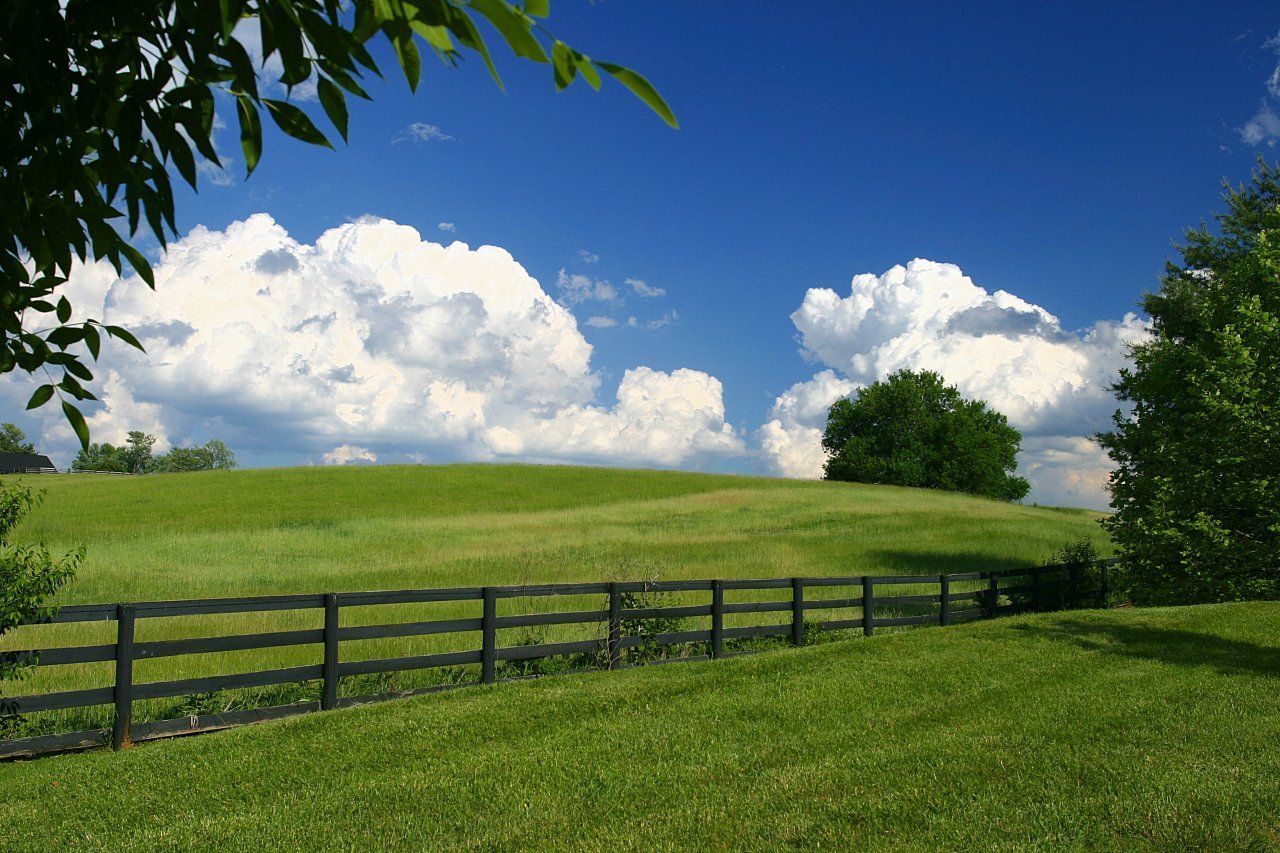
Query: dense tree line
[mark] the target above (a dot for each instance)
(135, 456)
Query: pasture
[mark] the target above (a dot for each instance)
(301, 530)
(331, 530)
(307, 530)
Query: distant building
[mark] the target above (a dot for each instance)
(26, 463)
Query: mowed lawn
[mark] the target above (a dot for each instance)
(303, 530)
(1129, 729)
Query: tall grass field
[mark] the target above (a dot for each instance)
(297, 530)
(308, 530)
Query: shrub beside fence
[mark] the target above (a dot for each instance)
(623, 628)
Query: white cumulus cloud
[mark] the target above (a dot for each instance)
(349, 454)
(371, 340)
(1050, 382)
(791, 439)
(1066, 470)
(662, 418)
(447, 227)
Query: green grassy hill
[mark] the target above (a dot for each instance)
(1131, 729)
(306, 530)
(334, 529)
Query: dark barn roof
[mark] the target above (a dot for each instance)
(16, 463)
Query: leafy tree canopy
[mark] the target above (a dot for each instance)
(100, 101)
(915, 430)
(209, 457)
(1197, 482)
(14, 440)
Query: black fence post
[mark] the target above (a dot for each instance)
(489, 637)
(1073, 585)
(868, 606)
(120, 737)
(717, 619)
(993, 593)
(1036, 598)
(1104, 592)
(329, 698)
(944, 600)
(615, 626)
(797, 612)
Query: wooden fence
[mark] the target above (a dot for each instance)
(993, 593)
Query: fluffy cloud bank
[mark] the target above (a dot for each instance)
(1052, 383)
(373, 344)
(791, 440)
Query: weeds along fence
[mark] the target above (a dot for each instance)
(633, 623)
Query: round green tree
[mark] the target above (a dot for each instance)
(913, 429)
(1197, 482)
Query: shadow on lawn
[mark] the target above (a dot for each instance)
(924, 562)
(1164, 645)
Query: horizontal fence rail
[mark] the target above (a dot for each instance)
(999, 592)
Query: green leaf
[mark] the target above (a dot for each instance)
(64, 310)
(345, 80)
(295, 122)
(92, 340)
(434, 35)
(124, 335)
(246, 78)
(410, 60)
(78, 370)
(250, 132)
(182, 158)
(513, 27)
(642, 89)
(334, 103)
(464, 29)
(587, 70)
(139, 263)
(537, 8)
(77, 423)
(64, 336)
(40, 397)
(74, 388)
(562, 62)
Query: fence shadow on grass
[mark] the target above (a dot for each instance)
(1163, 645)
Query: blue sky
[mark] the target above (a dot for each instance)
(1053, 151)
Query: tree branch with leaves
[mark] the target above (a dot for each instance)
(102, 101)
